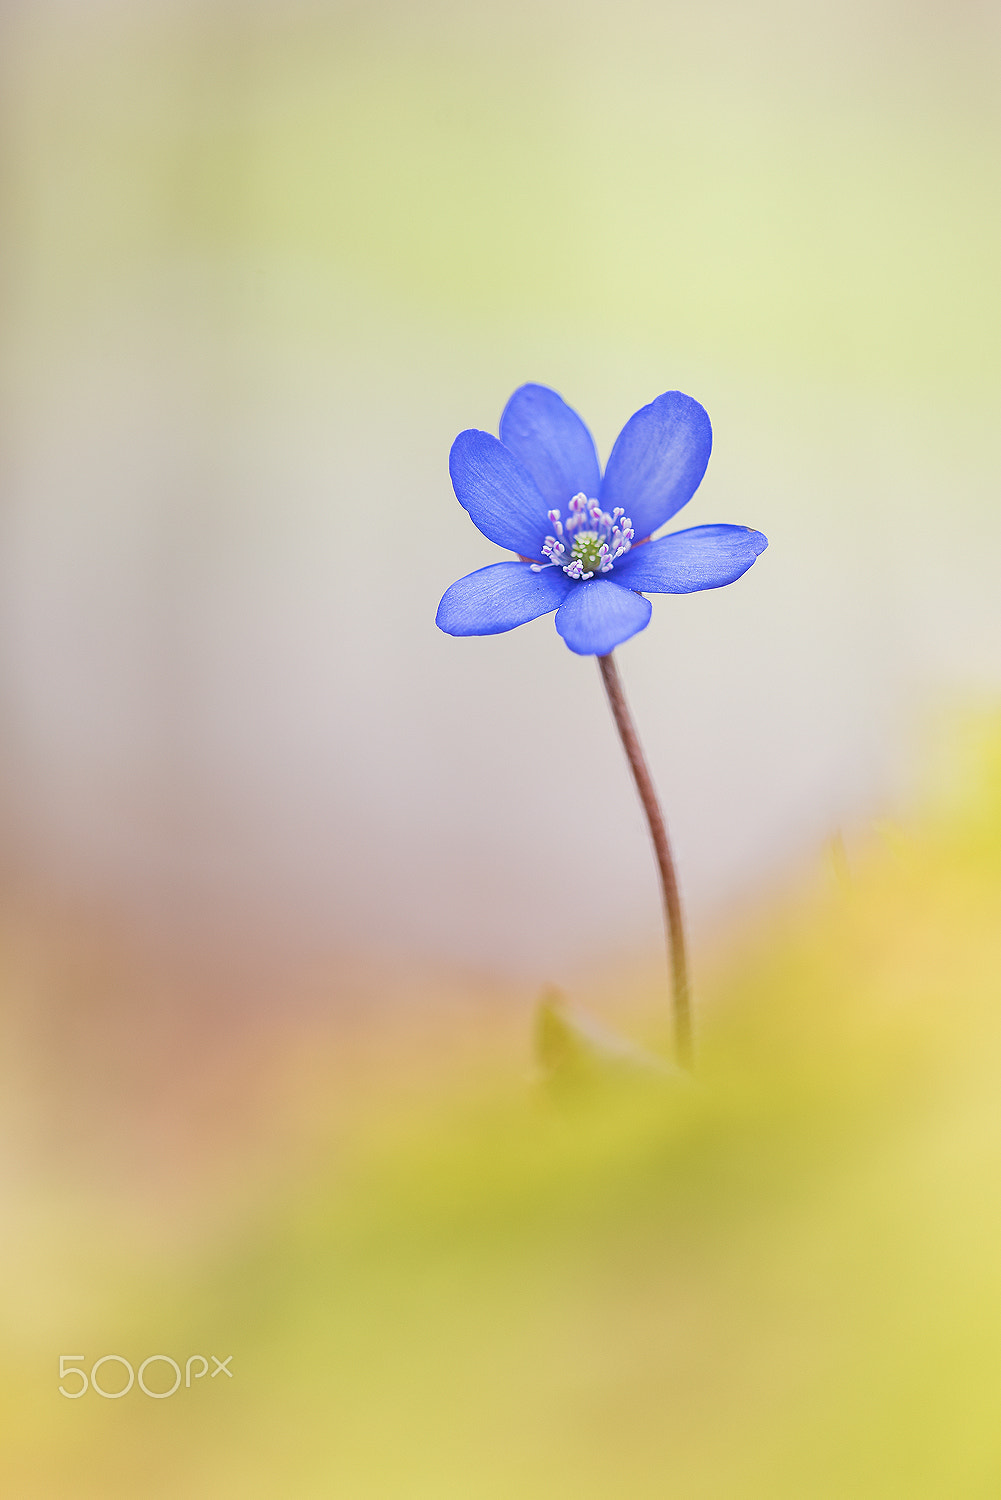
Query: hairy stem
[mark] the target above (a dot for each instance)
(662, 849)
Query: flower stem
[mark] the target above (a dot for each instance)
(662, 849)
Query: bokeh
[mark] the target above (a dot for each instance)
(284, 869)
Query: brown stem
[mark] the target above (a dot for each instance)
(662, 849)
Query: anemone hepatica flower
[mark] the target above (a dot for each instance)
(584, 550)
(582, 540)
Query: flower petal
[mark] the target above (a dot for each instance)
(500, 597)
(552, 443)
(599, 615)
(501, 497)
(658, 461)
(704, 557)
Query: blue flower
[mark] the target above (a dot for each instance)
(580, 537)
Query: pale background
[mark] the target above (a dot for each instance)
(262, 262)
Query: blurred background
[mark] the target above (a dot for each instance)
(272, 848)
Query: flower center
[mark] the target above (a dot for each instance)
(596, 539)
(585, 550)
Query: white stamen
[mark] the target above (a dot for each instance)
(597, 539)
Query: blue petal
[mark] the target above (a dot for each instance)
(599, 615)
(658, 461)
(553, 444)
(500, 597)
(502, 497)
(704, 557)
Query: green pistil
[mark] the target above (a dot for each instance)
(587, 551)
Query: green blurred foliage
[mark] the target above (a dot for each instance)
(780, 1281)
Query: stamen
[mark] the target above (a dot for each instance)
(597, 539)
